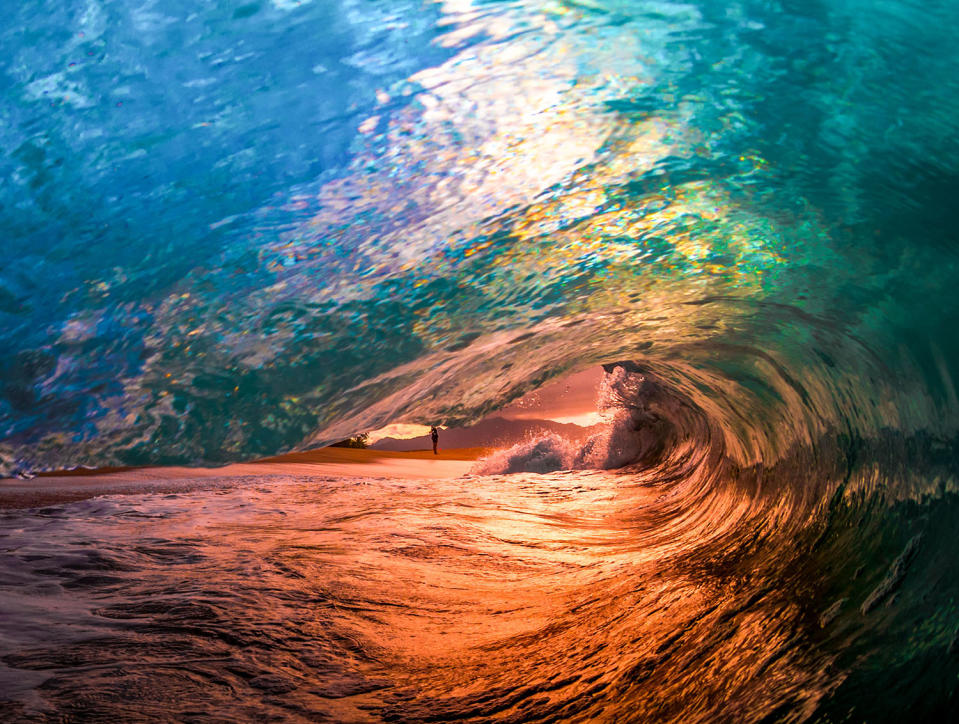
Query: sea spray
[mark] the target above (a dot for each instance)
(541, 454)
(636, 423)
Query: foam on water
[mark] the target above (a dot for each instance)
(633, 430)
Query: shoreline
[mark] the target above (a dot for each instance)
(67, 486)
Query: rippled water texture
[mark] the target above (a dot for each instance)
(231, 230)
(572, 595)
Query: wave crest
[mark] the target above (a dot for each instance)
(640, 422)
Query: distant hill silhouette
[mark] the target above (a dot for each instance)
(491, 432)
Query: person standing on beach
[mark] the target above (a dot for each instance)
(434, 436)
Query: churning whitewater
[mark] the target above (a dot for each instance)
(232, 230)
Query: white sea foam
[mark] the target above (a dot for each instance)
(536, 455)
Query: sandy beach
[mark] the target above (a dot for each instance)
(52, 488)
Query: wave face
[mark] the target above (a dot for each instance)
(235, 231)
(231, 233)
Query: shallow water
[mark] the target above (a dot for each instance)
(354, 598)
(581, 595)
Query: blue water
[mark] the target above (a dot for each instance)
(232, 230)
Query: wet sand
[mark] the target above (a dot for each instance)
(71, 485)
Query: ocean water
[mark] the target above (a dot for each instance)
(231, 230)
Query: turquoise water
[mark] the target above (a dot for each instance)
(236, 230)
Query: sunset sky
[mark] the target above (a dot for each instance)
(569, 399)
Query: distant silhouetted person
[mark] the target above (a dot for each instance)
(434, 436)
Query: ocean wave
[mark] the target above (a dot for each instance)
(639, 423)
(234, 232)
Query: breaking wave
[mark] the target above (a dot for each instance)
(638, 425)
(225, 239)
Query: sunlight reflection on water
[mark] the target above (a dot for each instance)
(510, 596)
